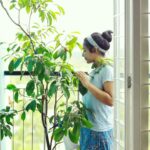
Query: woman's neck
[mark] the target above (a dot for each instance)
(98, 62)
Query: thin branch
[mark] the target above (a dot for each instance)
(53, 126)
(29, 21)
(44, 124)
(55, 107)
(1, 2)
(60, 97)
(56, 145)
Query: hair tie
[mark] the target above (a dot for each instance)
(92, 42)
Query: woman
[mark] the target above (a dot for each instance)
(99, 97)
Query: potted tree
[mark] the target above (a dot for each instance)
(42, 52)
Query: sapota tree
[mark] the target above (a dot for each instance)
(43, 52)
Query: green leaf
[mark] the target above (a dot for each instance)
(17, 63)
(76, 131)
(55, 55)
(7, 131)
(7, 108)
(73, 137)
(39, 107)
(23, 116)
(30, 65)
(28, 8)
(16, 95)
(79, 45)
(12, 6)
(62, 53)
(31, 106)
(1, 134)
(82, 89)
(22, 3)
(17, 50)
(11, 87)
(13, 47)
(51, 119)
(42, 74)
(86, 123)
(39, 68)
(72, 41)
(42, 15)
(8, 119)
(49, 18)
(11, 66)
(19, 36)
(49, 0)
(26, 44)
(61, 9)
(75, 81)
(41, 50)
(52, 89)
(69, 109)
(58, 134)
(53, 14)
(30, 87)
(65, 90)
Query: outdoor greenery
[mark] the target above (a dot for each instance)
(43, 52)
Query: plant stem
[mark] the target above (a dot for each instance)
(56, 145)
(45, 123)
(17, 24)
(55, 114)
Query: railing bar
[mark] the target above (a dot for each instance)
(32, 130)
(13, 142)
(56, 95)
(26, 73)
(44, 140)
(23, 120)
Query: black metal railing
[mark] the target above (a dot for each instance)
(22, 135)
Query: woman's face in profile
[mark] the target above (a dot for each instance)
(88, 56)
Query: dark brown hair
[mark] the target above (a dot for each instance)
(102, 41)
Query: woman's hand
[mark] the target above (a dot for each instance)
(83, 77)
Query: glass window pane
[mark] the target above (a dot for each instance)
(122, 138)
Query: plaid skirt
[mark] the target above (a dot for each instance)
(93, 140)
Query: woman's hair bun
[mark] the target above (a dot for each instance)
(107, 35)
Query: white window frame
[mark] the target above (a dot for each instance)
(136, 98)
(129, 75)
